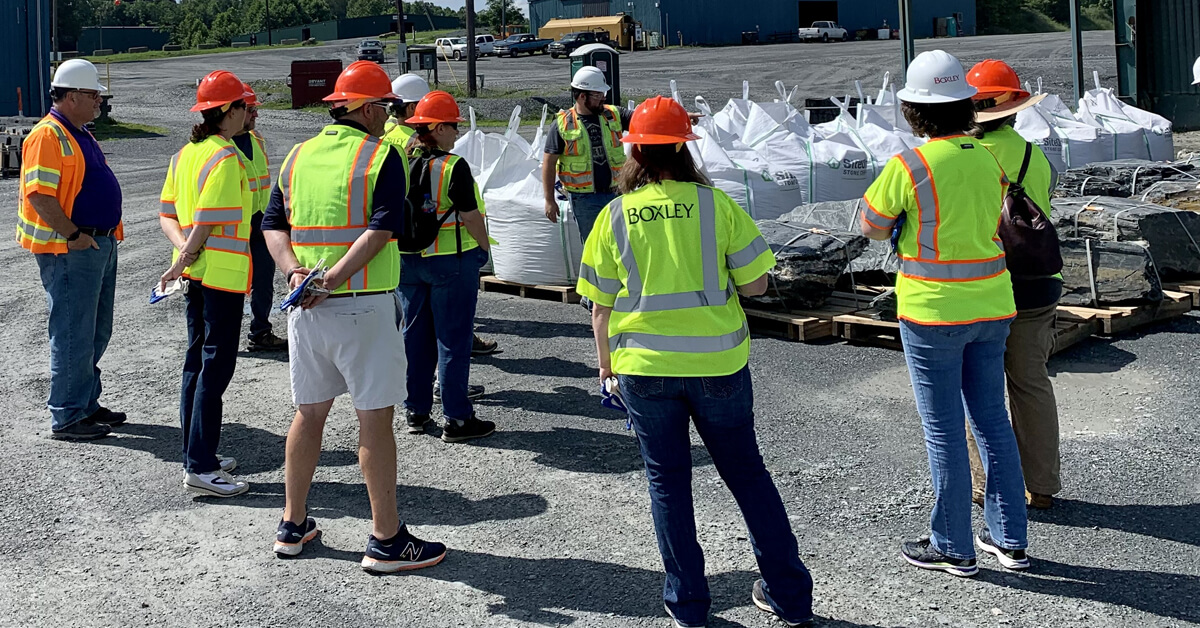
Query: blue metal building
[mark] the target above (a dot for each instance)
(25, 46)
(716, 22)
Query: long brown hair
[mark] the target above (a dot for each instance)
(941, 119)
(654, 163)
(211, 121)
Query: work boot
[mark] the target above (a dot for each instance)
(479, 346)
(459, 431)
(1039, 501)
(267, 342)
(759, 597)
(416, 422)
(81, 430)
(104, 416)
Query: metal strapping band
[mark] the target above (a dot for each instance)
(606, 285)
(679, 344)
(926, 203)
(959, 271)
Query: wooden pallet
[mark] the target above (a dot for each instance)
(805, 325)
(1186, 288)
(1068, 333)
(562, 294)
(862, 328)
(1118, 319)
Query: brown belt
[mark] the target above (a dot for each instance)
(359, 294)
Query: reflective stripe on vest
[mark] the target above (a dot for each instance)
(609, 286)
(927, 265)
(338, 236)
(61, 133)
(37, 233)
(285, 180)
(679, 344)
(712, 294)
(221, 155)
(358, 176)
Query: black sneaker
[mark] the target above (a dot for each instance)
(1015, 560)
(760, 600)
(267, 342)
(922, 554)
(471, 428)
(402, 552)
(474, 391)
(82, 430)
(416, 422)
(291, 537)
(104, 416)
(681, 624)
(479, 346)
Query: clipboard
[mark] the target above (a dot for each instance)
(294, 297)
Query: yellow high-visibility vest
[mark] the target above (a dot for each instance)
(575, 164)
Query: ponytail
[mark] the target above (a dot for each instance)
(210, 125)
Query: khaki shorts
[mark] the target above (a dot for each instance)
(348, 344)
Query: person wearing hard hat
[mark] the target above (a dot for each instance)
(410, 89)
(439, 288)
(584, 152)
(1031, 336)
(262, 282)
(206, 207)
(345, 337)
(70, 219)
(663, 268)
(955, 304)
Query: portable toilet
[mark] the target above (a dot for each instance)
(607, 60)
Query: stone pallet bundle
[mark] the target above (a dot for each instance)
(1178, 194)
(809, 262)
(1172, 237)
(1098, 273)
(844, 216)
(1124, 178)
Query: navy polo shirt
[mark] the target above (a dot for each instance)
(99, 202)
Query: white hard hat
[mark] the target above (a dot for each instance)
(1196, 72)
(590, 79)
(77, 74)
(935, 76)
(410, 87)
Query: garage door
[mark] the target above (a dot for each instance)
(817, 10)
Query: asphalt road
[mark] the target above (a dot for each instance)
(548, 520)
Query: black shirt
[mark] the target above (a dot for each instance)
(462, 183)
(388, 196)
(603, 175)
(245, 144)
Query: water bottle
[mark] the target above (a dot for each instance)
(429, 207)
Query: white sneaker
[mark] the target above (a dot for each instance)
(215, 484)
(227, 464)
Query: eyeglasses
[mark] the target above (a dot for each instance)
(94, 95)
(380, 104)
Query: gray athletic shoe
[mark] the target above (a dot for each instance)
(215, 484)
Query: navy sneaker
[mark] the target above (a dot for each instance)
(416, 422)
(922, 554)
(1015, 560)
(474, 391)
(403, 552)
(291, 537)
(759, 598)
(470, 428)
(104, 416)
(682, 624)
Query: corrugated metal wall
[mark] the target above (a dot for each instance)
(25, 48)
(1167, 45)
(716, 22)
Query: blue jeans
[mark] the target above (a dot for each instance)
(958, 371)
(723, 410)
(262, 282)
(214, 322)
(80, 292)
(586, 208)
(439, 294)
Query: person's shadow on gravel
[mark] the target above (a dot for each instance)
(1171, 595)
(535, 329)
(581, 451)
(1179, 523)
(541, 367)
(257, 450)
(418, 505)
(570, 400)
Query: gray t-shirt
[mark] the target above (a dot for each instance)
(603, 175)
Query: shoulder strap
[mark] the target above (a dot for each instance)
(1025, 163)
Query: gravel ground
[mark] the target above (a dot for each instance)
(548, 520)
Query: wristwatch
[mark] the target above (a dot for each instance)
(75, 236)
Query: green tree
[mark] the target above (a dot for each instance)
(491, 16)
(367, 8)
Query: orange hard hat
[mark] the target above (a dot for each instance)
(660, 121)
(218, 89)
(362, 80)
(995, 78)
(434, 108)
(252, 99)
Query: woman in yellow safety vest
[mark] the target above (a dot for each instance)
(439, 287)
(955, 303)
(206, 206)
(663, 267)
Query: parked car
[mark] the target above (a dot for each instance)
(453, 48)
(521, 43)
(573, 41)
(824, 31)
(485, 44)
(370, 50)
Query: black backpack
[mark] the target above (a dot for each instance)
(420, 224)
(1030, 239)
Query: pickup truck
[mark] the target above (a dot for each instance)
(521, 43)
(453, 48)
(824, 31)
(573, 41)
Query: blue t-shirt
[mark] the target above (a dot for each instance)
(99, 202)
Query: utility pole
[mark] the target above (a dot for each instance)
(268, 22)
(906, 34)
(503, 19)
(54, 30)
(402, 49)
(1077, 51)
(470, 8)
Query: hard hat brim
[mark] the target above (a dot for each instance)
(912, 96)
(98, 87)
(345, 96)
(650, 138)
(213, 104)
(1007, 109)
(428, 120)
(991, 91)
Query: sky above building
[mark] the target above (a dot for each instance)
(480, 4)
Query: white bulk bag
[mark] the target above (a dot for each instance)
(481, 150)
(732, 119)
(1139, 134)
(1066, 142)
